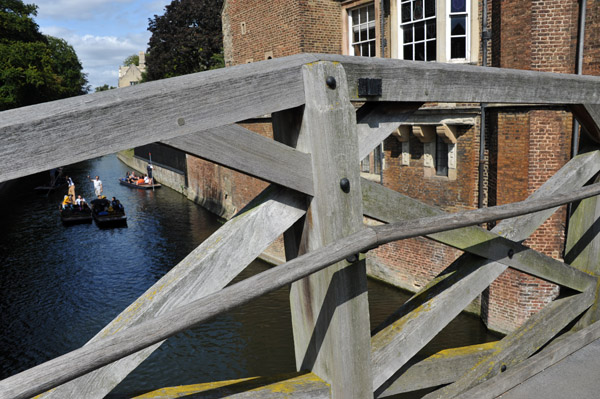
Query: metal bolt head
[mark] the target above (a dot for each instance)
(503, 368)
(352, 258)
(345, 185)
(331, 83)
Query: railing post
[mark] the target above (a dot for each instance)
(582, 248)
(330, 312)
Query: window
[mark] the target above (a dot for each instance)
(418, 30)
(434, 30)
(458, 29)
(373, 163)
(441, 157)
(362, 31)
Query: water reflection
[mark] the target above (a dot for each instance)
(60, 285)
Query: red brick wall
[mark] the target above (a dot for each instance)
(451, 195)
(282, 27)
(511, 38)
(530, 145)
(553, 35)
(591, 53)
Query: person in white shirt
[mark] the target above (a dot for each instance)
(97, 185)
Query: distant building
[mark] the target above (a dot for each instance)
(130, 75)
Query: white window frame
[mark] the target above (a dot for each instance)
(467, 14)
(423, 20)
(351, 42)
(443, 24)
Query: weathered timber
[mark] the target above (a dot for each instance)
(439, 302)
(442, 368)
(240, 149)
(474, 240)
(127, 341)
(291, 386)
(582, 248)
(521, 343)
(588, 116)
(43, 136)
(105, 350)
(574, 174)
(376, 121)
(439, 82)
(205, 270)
(550, 355)
(330, 314)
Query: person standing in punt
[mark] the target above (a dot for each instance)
(97, 185)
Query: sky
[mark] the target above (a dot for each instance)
(102, 32)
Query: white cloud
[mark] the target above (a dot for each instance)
(101, 56)
(78, 9)
(102, 32)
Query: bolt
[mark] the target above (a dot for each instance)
(331, 83)
(510, 253)
(181, 121)
(352, 258)
(345, 185)
(503, 368)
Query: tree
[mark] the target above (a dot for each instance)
(186, 39)
(34, 68)
(133, 59)
(104, 87)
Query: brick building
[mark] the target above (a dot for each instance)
(436, 155)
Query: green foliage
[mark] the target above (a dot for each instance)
(186, 39)
(34, 68)
(104, 87)
(133, 59)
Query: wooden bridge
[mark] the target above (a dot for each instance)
(317, 200)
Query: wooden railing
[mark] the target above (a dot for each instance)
(317, 201)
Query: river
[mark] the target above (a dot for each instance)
(60, 285)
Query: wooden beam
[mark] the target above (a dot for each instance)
(44, 136)
(376, 121)
(582, 248)
(555, 352)
(439, 82)
(588, 116)
(521, 343)
(240, 149)
(124, 342)
(330, 313)
(205, 270)
(474, 240)
(296, 385)
(489, 245)
(442, 368)
(424, 315)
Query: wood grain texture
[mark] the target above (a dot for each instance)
(205, 270)
(475, 240)
(376, 121)
(424, 315)
(240, 149)
(330, 314)
(107, 349)
(432, 82)
(442, 368)
(554, 353)
(296, 385)
(44, 136)
(131, 340)
(521, 343)
(588, 116)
